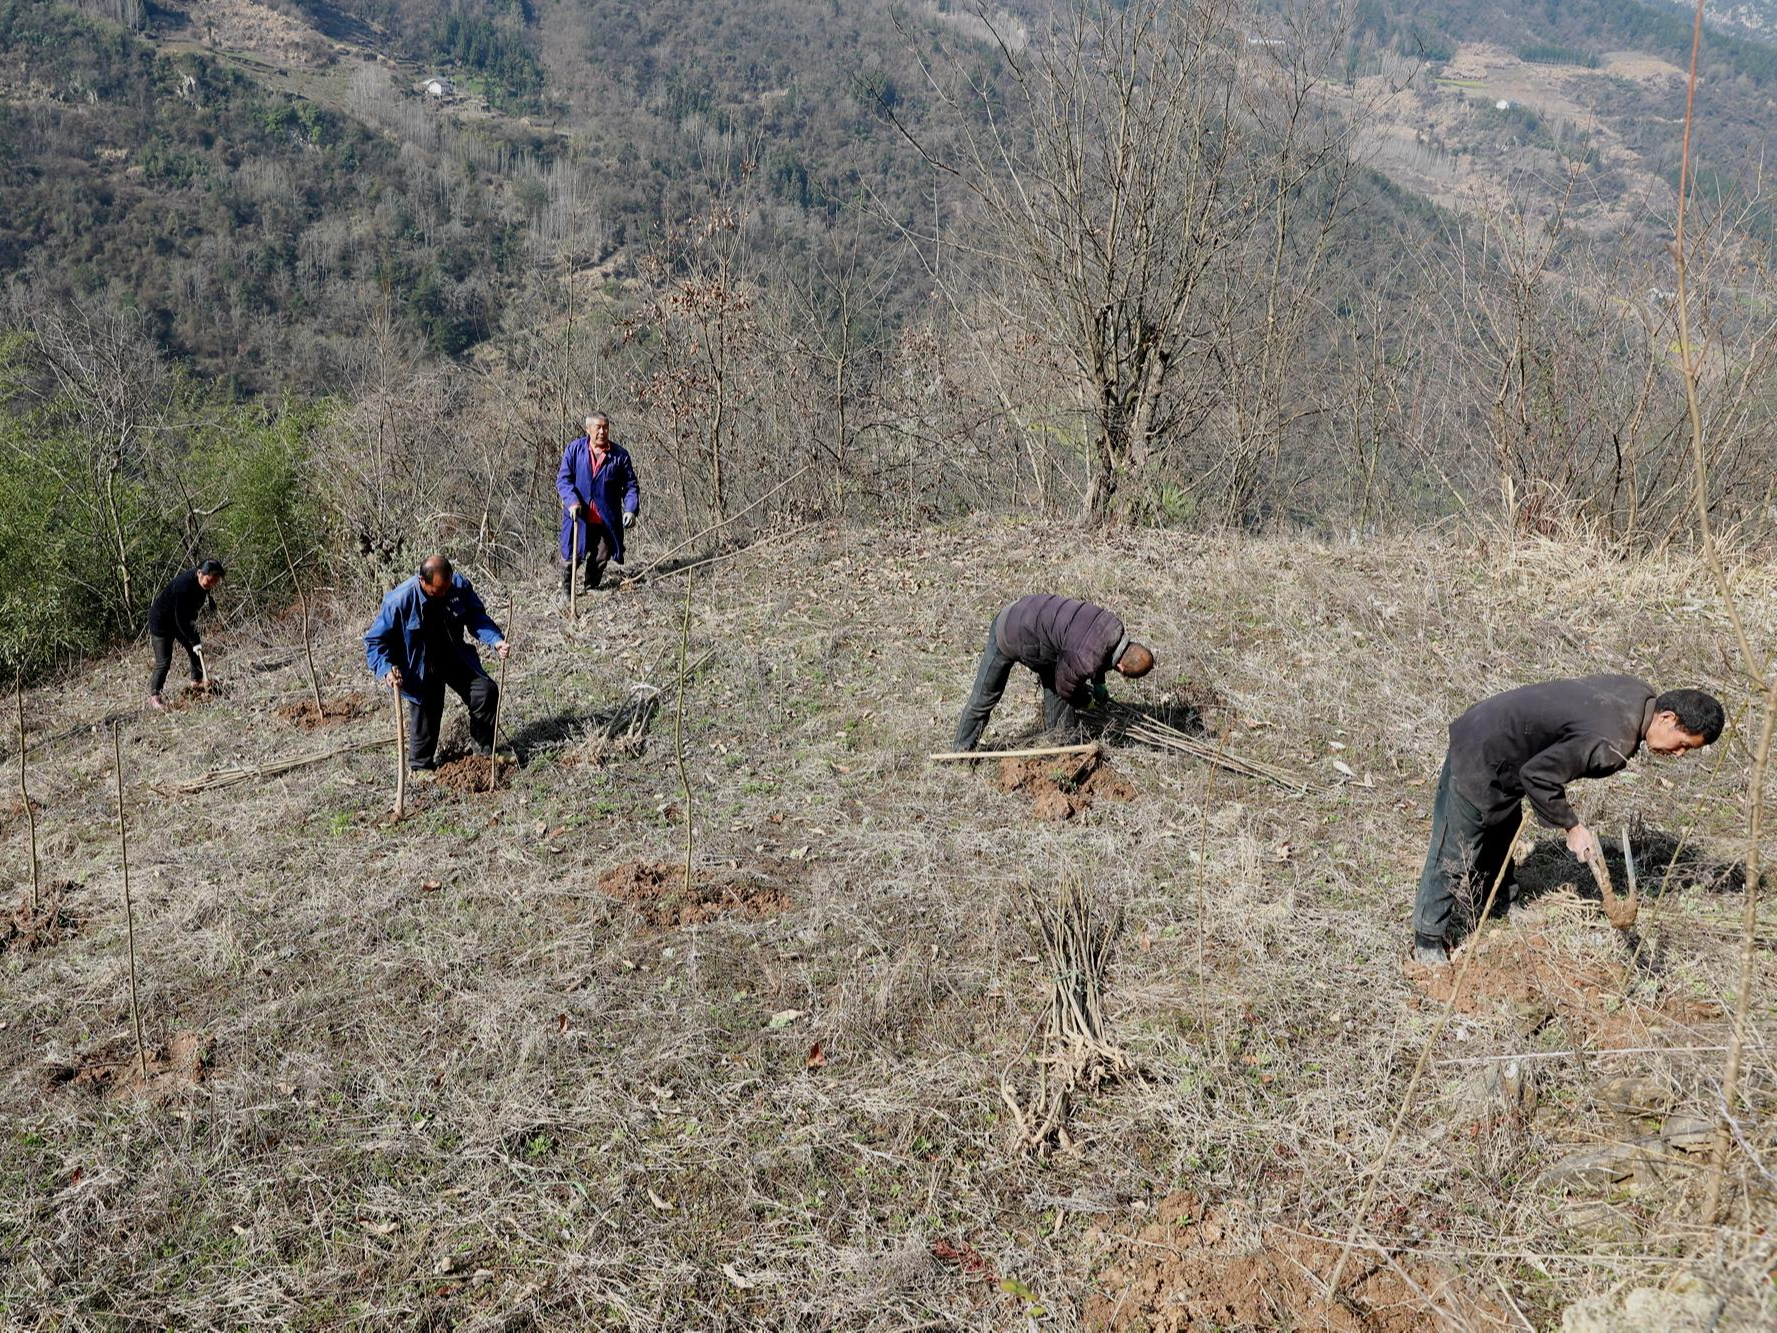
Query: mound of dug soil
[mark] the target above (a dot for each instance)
(194, 696)
(1063, 786)
(657, 888)
(346, 708)
(1198, 1268)
(1523, 977)
(177, 1067)
(52, 922)
(470, 773)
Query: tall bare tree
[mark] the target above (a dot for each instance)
(1136, 174)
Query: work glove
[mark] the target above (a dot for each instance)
(1100, 695)
(629, 516)
(574, 511)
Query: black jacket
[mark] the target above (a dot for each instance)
(1534, 740)
(1069, 644)
(174, 613)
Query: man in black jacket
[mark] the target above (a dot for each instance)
(1069, 644)
(1532, 742)
(173, 616)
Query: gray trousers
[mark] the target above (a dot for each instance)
(990, 683)
(1468, 848)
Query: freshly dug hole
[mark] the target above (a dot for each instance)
(470, 773)
(346, 708)
(1064, 786)
(180, 1065)
(657, 888)
(52, 921)
(1203, 1268)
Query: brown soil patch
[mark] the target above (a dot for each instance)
(193, 696)
(182, 1064)
(1199, 1268)
(470, 773)
(51, 923)
(657, 888)
(1063, 786)
(347, 708)
(1522, 977)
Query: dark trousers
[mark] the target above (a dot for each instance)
(990, 683)
(593, 560)
(163, 660)
(1468, 849)
(478, 693)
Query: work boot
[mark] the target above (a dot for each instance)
(155, 705)
(1430, 952)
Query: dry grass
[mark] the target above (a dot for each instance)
(450, 1082)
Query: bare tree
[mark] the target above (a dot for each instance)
(1137, 173)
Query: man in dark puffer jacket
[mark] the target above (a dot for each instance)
(1069, 644)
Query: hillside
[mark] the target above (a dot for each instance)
(477, 1069)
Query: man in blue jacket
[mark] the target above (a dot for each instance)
(417, 645)
(599, 499)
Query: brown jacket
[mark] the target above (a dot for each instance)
(1069, 644)
(1534, 740)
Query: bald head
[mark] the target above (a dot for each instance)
(435, 575)
(1137, 660)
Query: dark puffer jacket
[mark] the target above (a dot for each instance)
(1069, 644)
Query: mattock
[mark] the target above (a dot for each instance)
(1621, 911)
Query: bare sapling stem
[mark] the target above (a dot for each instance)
(400, 753)
(302, 605)
(679, 724)
(1400, 1115)
(574, 571)
(129, 910)
(1209, 787)
(493, 752)
(18, 698)
(1754, 665)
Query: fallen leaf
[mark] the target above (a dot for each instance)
(817, 1057)
(783, 1018)
(1282, 853)
(561, 1022)
(449, 1264)
(799, 854)
(737, 1278)
(1344, 768)
(541, 828)
(1147, 942)
(431, 886)
(658, 1202)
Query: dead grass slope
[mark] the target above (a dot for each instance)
(451, 1079)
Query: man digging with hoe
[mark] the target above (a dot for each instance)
(1069, 644)
(1533, 741)
(417, 645)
